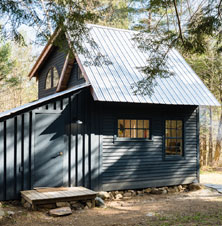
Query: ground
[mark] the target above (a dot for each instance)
(203, 207)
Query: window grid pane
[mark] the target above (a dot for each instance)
(133, 128)
(48, 84)
(55, 77)
(174, 137)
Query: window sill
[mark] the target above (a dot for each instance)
(132, 139)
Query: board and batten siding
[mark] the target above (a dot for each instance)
(82, 142)
(140, 164)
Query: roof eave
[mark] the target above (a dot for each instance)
(44, 54)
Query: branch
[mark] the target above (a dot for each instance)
(178, 21)
(47, 17)
(219, 14)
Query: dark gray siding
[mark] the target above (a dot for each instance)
(95, 159)
(17, 149)
(56, 58)
(74, 80)
(139, 164)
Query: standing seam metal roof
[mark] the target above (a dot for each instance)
(112, 82)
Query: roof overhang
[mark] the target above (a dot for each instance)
(42, 101)
(45, 52)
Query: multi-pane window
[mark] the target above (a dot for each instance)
(52, 78)
(174, 137)
(134, 128)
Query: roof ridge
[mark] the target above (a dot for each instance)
(111, 28)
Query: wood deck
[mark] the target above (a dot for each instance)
(53, 195)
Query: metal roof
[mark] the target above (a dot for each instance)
(41, 101)
(112, 82)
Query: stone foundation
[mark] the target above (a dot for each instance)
(115, 195)
(74, 205)
(127, 194)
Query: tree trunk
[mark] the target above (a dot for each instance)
(218, 141)
(210, 150)
(204, 139)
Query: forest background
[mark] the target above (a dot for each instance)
(17, 56)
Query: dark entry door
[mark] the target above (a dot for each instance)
(49, 150)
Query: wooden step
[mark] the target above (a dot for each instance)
(52, 195)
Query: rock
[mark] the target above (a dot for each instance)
(119, 196)
(62, 204)
(139, 192)
(119, 192)
(156, 191)
(2, 213)
(181, 189)
(86, 208)
(111, 196)
(76, 205)
(127, 194)
(27, 205)
(89, 204)
(164, 192)
(103, 195)
(63, 211)
(194, 187)
(23, 201)
(173, 189)
(10, 213)
(99, 202)
(0, 204)
(150, 214)
(148, 190)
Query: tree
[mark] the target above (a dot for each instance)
(174, 23)
(16, 88)
(6, 64)
(208, 66)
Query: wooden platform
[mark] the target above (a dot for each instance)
(53, 195)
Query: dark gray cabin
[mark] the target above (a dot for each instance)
(89, 129)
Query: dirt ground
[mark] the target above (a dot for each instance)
(203, 207)
(214, 177)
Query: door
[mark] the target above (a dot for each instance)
(49, 150)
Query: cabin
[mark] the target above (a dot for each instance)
(89, 129)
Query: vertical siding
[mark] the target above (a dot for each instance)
(10, 156)
(2, 160)
(18, 131)
(138, 164)
(17, 148)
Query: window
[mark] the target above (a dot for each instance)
(52, 78)
(134, 128)
(174, 137)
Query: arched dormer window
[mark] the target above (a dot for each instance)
(52, 78)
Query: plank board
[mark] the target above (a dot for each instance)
(51, 195)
